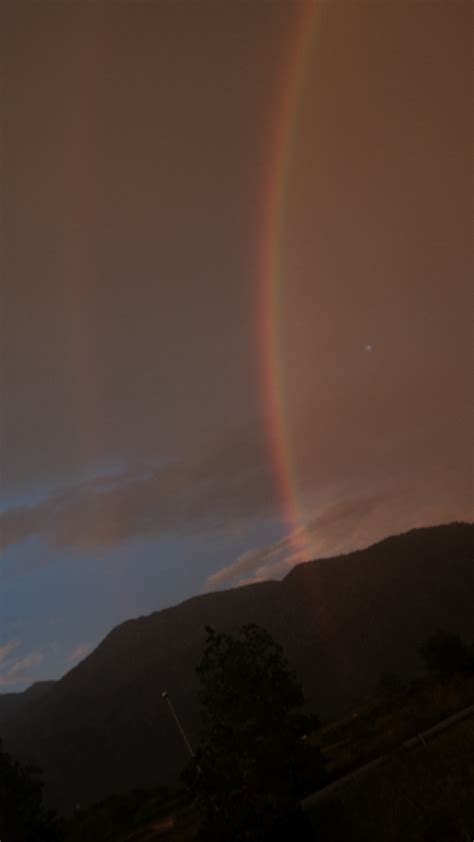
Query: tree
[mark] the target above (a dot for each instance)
(22, 815)
(254, 761)
(446, 654)
(117, 816)
(389, 687)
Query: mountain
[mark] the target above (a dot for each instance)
(11, 703)
(342, 621)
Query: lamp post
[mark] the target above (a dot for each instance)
(167, 699)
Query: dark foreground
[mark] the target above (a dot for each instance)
(426, 795)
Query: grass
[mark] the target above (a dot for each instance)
(379, 727)
(424, 796)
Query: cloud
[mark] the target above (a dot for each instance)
(338, 528)
(230, 484)
(259, 563)
(18, 671)
(79, 652)
(7, 649)
(332, 531)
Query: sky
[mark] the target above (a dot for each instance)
(235, 298)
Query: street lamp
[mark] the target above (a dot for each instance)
(167, 699)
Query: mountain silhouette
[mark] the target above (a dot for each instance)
(342, 622)
(12, 702)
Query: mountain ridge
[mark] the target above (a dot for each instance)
(341, 620)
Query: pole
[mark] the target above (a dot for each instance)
(167, 699)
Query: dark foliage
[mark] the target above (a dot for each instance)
(446, 654)
(119, 814)
(22, 815)
(253, 763)
(390, 687)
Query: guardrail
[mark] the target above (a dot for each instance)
(414, 742)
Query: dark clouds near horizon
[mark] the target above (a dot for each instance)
(135, 138)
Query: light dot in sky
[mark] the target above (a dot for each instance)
(368, 347)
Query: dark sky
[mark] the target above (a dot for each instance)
(136, 137)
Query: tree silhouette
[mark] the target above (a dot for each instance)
(254, 762)
(446, 654)
(22, 815)
(389, 687)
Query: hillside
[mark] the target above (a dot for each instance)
(342, 621)
(11, 703)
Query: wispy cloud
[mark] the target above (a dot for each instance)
(18, 671)
(347, 524)
(258, 564)
(78, 653)
(7, 649)
(230, 484)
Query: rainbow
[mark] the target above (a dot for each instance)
(269, 275)
(78, 251)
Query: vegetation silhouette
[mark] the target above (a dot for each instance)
(118, 815)
(446, 654)
(389, 687)
(260, 754)
(253, 763)
(23, 817)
